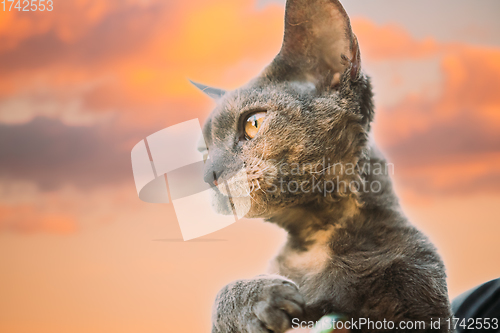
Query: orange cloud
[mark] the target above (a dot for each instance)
(471, 80)
(131, 61)
(69, 20)
(28, 219)
(449, 143)
(390, 41)
(137, 58)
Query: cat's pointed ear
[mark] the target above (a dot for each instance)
(214, 93)
(319, 41)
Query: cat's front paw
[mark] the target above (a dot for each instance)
(278, 302)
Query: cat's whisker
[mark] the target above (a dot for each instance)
(253, 187)
(258, 184)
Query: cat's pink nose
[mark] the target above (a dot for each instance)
(216, 183)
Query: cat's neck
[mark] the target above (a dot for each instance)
(302, 222)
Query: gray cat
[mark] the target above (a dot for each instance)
(300, 133)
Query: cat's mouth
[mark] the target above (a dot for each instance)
(231, 195)
(236, 186)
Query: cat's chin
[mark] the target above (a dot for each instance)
(225, 205)
(220, 203)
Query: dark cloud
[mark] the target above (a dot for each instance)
(465, 135)
(52, 154)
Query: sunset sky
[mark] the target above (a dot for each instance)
(81, 85)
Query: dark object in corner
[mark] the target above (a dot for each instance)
(480, 302)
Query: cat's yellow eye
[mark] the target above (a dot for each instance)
(253, 124)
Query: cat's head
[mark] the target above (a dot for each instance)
(308, 111)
